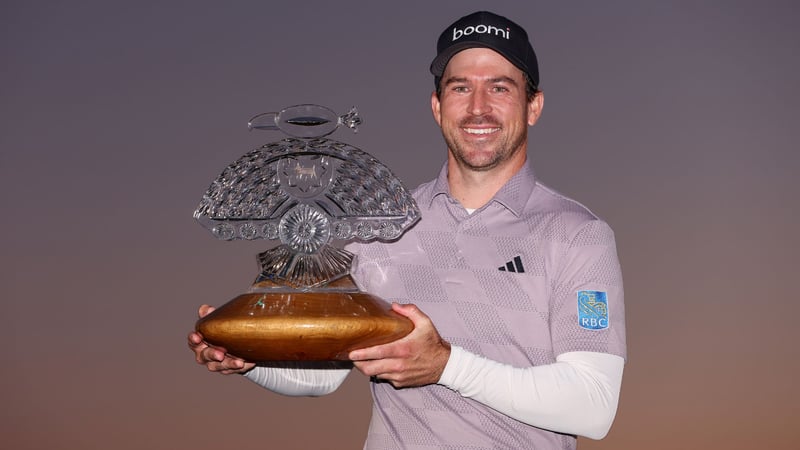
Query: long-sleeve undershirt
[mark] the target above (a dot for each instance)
(578, 394)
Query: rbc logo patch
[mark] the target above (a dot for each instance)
(593, 310)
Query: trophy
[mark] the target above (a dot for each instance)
(307, 192)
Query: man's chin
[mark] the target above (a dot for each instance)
(479, 164)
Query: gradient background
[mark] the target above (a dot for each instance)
(676, 122)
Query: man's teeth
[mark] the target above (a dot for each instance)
(480, 130)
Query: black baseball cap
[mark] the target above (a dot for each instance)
(485, 29)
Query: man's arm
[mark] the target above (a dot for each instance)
(417, 359)
(301, 378)
(578, 394)
(294, 379)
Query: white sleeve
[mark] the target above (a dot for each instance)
(577, 394)
(301, 378)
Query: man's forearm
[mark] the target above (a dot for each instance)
(578, 394)
(301, 379)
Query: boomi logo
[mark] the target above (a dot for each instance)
(481, 29)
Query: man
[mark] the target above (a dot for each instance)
(515, 291)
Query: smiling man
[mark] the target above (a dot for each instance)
(483, 109)
(514, 290)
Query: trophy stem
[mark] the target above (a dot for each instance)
(284, 267)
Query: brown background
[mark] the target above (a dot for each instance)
(677, 122)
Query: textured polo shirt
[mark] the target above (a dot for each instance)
(530, 275)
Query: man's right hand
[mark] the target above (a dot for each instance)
(215, 358)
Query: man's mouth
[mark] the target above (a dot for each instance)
(480, 130)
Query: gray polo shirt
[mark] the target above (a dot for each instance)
(530, 275)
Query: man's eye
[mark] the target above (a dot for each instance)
(460, 89)
(500, 89)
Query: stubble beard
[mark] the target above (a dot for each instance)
(483, 156)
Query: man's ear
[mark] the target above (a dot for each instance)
(436, 108)
(535, 107)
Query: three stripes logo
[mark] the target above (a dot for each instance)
(514, 265)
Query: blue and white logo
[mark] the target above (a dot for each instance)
(593, 310)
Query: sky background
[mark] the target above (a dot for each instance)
(676, 122)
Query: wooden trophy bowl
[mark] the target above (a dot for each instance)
(301, 326)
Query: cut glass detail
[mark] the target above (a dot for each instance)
(342, 230)
(305, 121)
(304, 229)
(346, 183)
(285, 267)
(306, 191)
(248, 231)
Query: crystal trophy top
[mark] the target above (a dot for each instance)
(306, 191)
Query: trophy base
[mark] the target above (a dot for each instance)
(301, 325)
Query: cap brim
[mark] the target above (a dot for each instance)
(441, 60)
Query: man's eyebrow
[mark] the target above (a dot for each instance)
(504, 79)
(500, 79)
(452, 80)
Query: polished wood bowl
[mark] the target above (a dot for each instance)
(301, 326)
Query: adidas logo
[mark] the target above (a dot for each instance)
(513, 266)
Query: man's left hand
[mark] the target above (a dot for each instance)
(415, 360)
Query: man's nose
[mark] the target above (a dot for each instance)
(479, 103)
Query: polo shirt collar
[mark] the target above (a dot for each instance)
(513, 195)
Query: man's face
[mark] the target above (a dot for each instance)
(483, 110)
